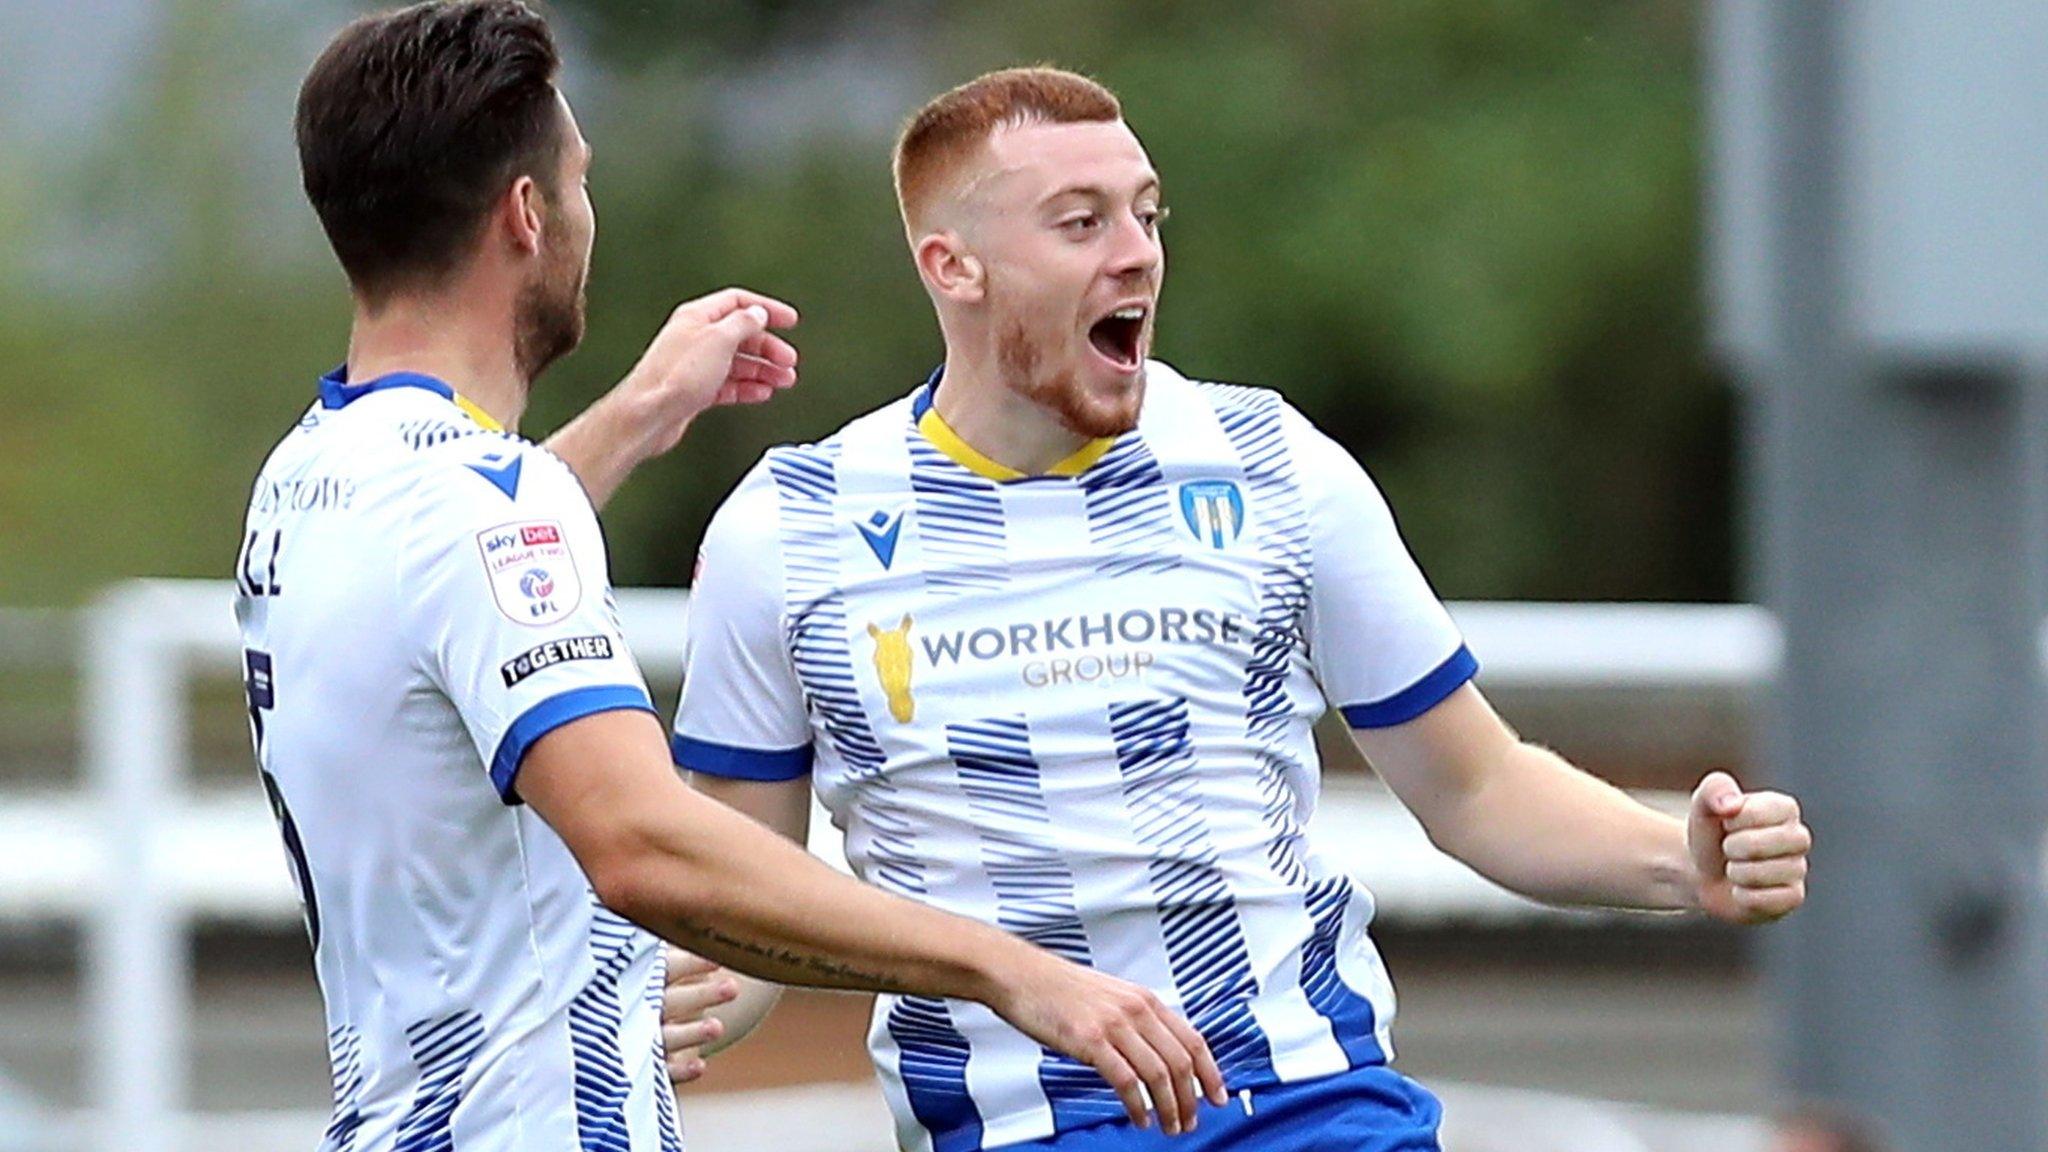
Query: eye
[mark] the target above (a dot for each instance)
(1081, 224)
(1153, 217)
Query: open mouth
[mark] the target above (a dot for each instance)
(1117, 336)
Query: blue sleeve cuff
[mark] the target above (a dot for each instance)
(1418, 697)
(551, 714)
(740, 763)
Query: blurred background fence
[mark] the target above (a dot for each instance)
(192, 1019)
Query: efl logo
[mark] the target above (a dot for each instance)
(533, 576)
(537, 584)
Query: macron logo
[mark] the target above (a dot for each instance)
(504, 476)
(880, 531)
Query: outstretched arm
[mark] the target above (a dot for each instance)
(698, 874)
(706, 1009)
(1524, 818)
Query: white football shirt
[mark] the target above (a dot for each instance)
(421, 598)
(1078, 706)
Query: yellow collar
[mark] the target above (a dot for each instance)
(477, 413)
(946, 440)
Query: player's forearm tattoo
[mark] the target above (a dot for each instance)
(824, 967)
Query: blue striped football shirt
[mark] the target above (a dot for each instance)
(1078, 706)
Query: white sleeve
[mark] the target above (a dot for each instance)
(742, 711)
(508, 600)
(1383, 645)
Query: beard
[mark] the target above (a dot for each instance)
(549, 315)
(1059, 391)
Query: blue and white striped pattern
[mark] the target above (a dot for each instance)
(1147, 819)
(1130, 511)
(894, 864)
(664, 1093)
(345, 1053)
(1033, 883)
(959, 521)
(1079, 1096)
(933, 1053)
(806, 480)
(594, 1022)
(423, 434)
(442, 1048)
(1287, 850)
(1350, 1014)
(1205, 943)
(933, 1064)
(1251, 419)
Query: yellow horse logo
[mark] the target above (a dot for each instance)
(892, 664)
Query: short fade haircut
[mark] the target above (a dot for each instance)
(954, 125)
(413, 121)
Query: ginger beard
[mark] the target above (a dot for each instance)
(1024, 350)
(549, 314)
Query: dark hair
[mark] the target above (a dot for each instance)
(412, 122)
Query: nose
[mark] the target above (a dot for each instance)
(1136, 251)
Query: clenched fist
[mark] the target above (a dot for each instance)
(1748, 851)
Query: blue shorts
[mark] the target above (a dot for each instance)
(1372, 1109)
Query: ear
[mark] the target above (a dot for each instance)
(874, 632)
(949, 268)
(905, 626)
(524, 210)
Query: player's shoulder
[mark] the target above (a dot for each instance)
(1246, 413)
(1267, 432)
(811, 471)
(370, 455)
(422, 447)
(1164, 380)
(750, 512)
(1168, 390)
(502, 501)
(489, 470)
(428, 501)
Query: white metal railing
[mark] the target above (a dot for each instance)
(145, 639)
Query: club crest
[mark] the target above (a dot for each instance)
(1213, 511)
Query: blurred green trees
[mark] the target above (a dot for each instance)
(1461, 234)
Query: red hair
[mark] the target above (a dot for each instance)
(954, 126)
